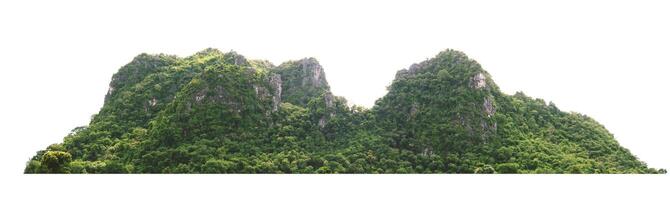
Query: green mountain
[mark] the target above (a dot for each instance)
(217, 112)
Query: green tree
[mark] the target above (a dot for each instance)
(56, 161)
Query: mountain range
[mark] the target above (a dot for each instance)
(216, 112)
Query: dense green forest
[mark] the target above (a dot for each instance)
(216, 112)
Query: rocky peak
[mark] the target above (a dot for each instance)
(451, 61)
(208, 51)
(313, 73)
(235, 58)
(412, 70)
(138, 69)
(302, 80)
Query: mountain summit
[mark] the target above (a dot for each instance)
(216, 112)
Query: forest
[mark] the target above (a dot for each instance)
(219, 112)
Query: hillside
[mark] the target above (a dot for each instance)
(216, 112)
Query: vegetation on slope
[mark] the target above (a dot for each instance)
(217, 112)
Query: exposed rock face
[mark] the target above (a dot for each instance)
(276, 85)
(199, 97)
(413, 69)
(264, 94)
(491, 129)
(328, 100)
(313, 73)
(488, 107)
(427, 151)
(478, 81)
(233, 57)
(153, 101)
(301, 81)
(490, 126)
(322, 122)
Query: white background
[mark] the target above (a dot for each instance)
(606, 59)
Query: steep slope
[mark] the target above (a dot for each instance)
(449, 106)
(217, 112)
(302, 80)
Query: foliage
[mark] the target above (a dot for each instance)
(217, 112)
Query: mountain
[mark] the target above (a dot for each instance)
(216, 112)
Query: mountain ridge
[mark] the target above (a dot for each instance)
(216, 112)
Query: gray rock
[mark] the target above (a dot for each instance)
(478, 81)
(488, 107)
(313, 73)
(328, 99)
(153, 101)
(276, 84)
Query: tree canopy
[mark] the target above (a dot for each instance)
(216, 112)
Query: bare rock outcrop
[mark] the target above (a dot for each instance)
(488, 107)
(276, 85)
(314, 75)
(478, 81)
